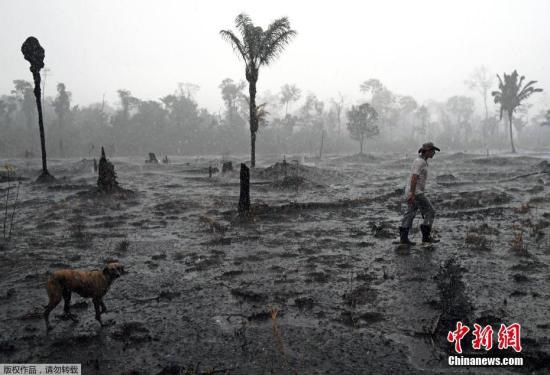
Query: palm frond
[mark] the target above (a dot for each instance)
(262, 114)
(237, 45)
(527, 93)
(528, 90)
(276, 28)
(522, 78)
(275, 47)
(274, 39)
(243, 22)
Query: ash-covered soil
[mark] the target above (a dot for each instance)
(312, 283)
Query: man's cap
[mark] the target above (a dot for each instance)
(428, 146)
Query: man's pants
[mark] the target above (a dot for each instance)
(420, 202)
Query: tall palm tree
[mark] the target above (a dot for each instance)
(257, 47)
(510, 95)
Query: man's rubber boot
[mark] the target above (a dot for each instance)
(404, 237)
(426, 234)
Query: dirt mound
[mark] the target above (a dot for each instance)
(11, 177)
(504, 160)
(280, 170)
(94, 193)
(75, 167)
(476, 199)
(70, 186)
(446, 178)
(458, 156)
(359, 158)
(295, 183)
(544, 166)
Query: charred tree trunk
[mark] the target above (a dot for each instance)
(34, 53)
(252, 149)
(38, 96)
(252, 77)
(244, 200)
(106, 180)
(511, 135)
(321, 148)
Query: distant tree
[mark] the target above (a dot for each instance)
(423, 117)
(8, 106)
(521, 120)
(188, 89)
(407, 104)
(257, 47)
(20, 87)
(24, 97)
(461, 108)
(231, 93)
(382, 99)
(62, 108)
(150, 125)
(183, 121)
(121, 119)
(362, 123)
(481, 81)
(127, 101)
(546, 121)
(338, 105)
(289, 94)
(404, 112)
(510, 95)
(46, 72)
(262, 114)
(3, 111)
(312, 106)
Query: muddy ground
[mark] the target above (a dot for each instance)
(312, 283)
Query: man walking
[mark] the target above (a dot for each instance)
(416, 199)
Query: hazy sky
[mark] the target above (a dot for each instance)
(421, 48)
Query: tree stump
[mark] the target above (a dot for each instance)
(152, 158)
(227, 166)
(106, 180)
(244, 200)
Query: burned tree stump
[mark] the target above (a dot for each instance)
(244, 200)
(106, 180)
(152, 158)
(34, 53)
(209, 171)
(95, 165)
(227, 166)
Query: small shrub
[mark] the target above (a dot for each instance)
(122, 246)
(524, 208)
(517, 244)
(477, 241)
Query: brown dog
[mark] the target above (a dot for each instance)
(88, 284)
